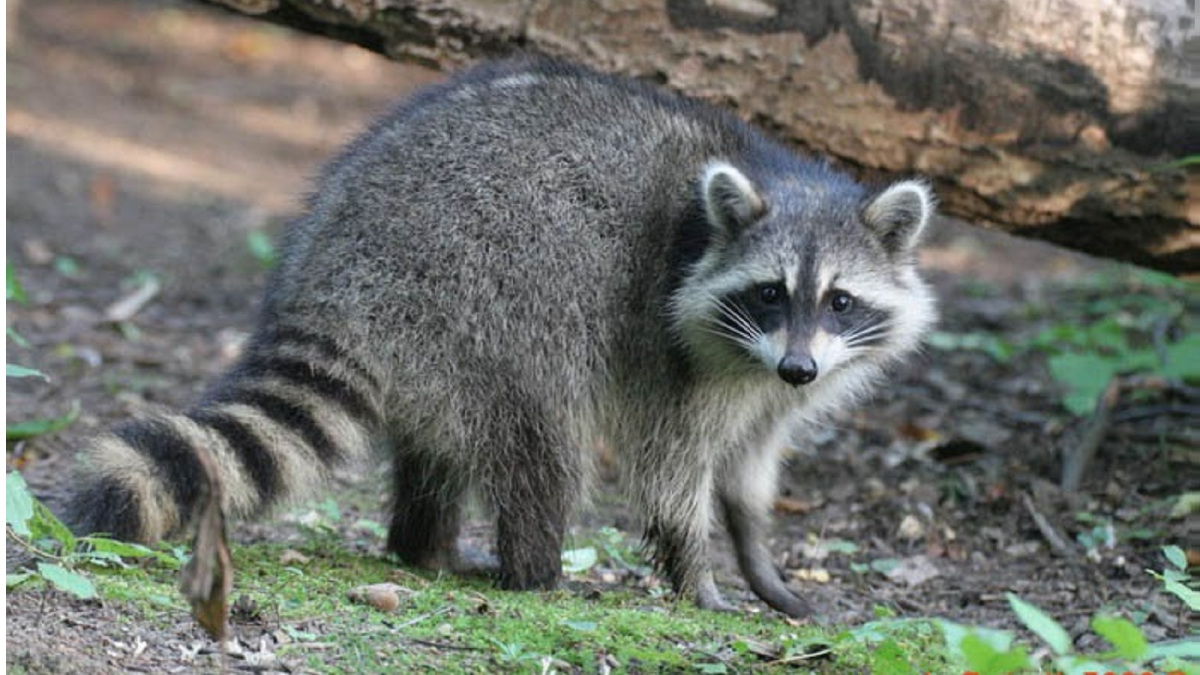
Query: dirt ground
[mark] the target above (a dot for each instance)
(152, 137)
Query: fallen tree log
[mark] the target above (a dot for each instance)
(1070, 121)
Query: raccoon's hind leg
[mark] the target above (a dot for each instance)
(746, 492)
(533, 478)
(427, 513)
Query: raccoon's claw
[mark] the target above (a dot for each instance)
(788, 603)
(773, 592)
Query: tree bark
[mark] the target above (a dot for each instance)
(1063, 120)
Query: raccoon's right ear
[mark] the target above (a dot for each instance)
(731, 201)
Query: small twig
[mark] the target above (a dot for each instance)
(1048, 532)
(807, 656)
(1159, 337)
(445, 645)
(33, 551)
(1142, 412)
(1077, 460)
(421, 618)
(1182, 440)
(125, 308)
(1159, 383)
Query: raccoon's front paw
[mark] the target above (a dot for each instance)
(714, 602)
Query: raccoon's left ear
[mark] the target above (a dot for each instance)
(899, 214)
(731, 201)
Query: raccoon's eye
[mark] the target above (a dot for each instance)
(770, 294)
(841, 301)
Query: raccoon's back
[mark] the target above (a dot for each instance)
(513, 217)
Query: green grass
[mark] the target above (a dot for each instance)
(453, 624)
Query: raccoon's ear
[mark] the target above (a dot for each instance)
(898, 215)
(731, 201)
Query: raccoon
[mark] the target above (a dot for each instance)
(515, 265)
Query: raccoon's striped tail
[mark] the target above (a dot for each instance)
(295, 407)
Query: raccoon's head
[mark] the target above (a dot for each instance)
(803, 274)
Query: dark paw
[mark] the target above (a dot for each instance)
(529, 580)
(714, 601)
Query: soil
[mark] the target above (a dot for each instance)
(150, 138)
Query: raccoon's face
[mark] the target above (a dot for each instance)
(804, 277)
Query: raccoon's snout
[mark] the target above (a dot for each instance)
(797, 369)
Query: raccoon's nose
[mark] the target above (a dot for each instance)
(797, 369)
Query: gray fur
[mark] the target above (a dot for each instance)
(522, 262)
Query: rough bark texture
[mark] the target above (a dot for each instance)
(1056, 119)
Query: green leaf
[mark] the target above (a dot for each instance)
(119, 548)
(1107, 334)
(262, 248)
(66, 266)
(67, 580)
(12, 285)
(1180, 649)
(889, 659)
(1121, 634)
(1189, 596)
(11, 580)
(991, 345)
(1187, 504)
(25, 430)
(1183, 358)
(585, 626)
(1082, 664)
(883, 612)
(839, 546)
(13, 370)
(104, 549)
(16, 337)
(45, 525)
(576, 561)
(983, 657)
(18, 504)
(1085, 377)
(1049, 630)
(884, 565)
(1175, 556)
(997, 640)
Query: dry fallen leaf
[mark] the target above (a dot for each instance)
(102, 197)
(910, 528)
(914, 571)
(207, 579)
(791, 505)
(817, 574)
(292, 557)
